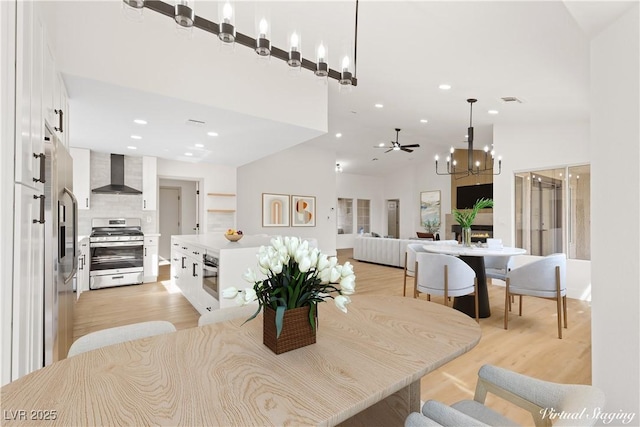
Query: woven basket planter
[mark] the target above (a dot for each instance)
(296, 330)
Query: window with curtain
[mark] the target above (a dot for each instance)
(552, 211)
(345, 216)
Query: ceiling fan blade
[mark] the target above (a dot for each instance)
(406, 149)
(390, 149)
(411, 146)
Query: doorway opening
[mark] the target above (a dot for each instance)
(393, 218)
(178, 212)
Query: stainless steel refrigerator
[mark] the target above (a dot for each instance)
(61, 249)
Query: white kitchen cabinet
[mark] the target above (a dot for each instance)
(48, 86)
(61, 111)
(30, 160)
(82, 176)
(82, 276)
(149, 183)
(28, 278)
(150, 261)
(187, 275)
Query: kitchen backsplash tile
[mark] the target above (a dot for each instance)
(116, 205)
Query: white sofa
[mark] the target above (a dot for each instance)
(381, 250)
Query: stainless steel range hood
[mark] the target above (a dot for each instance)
(117, 179)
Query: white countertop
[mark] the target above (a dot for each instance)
(152, 234)
(217, 241)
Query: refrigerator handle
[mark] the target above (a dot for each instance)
(42, 158)
(74, 201)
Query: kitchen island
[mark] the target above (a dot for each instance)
(202, 265)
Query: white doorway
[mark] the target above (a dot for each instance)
(170, 218)
(178, 211)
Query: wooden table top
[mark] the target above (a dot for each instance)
(223, 375)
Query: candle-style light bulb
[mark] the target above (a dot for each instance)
(227, 12)
(294, 42)
(477, 163)
(345, 63)
(448, 159)
(486, 148)
(437, 157)
(263, 28)
(321, 53)
(451, 150)
(455, 162)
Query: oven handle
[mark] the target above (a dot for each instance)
(116, 244)
(74, 203)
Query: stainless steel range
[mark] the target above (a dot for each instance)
(116, 252)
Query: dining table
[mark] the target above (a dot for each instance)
(474, 256)
(364, 369)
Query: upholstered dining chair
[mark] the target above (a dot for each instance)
(497, 266)
(410, 262)
(543, 278)
(545, 400)
(446, 275)
(119, 334)
(227, 313)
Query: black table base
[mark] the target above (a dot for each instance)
(466, 303)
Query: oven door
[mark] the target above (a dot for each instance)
(210, 276)
(122, 257)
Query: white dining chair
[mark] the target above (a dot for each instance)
(445, 275)
(227, 313)
(497, 266)
(536, 396)
(410, 262)
(119, 334)
(543, 278)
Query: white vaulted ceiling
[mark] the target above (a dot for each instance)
(116, 70)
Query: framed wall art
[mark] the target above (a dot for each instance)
(275, 210)
(303, 211)
(430, 211)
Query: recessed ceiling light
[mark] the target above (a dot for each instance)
(379, 105)
(131, 147)
(199, 145)
(424, 120)
(338, 135)
(444, 86)
(492, 111)
(381, 144)
(140, 122)
(136, 137)
(188, 154)
(212, 133)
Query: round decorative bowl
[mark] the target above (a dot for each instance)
(233, 237)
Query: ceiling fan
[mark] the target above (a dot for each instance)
(395, 145)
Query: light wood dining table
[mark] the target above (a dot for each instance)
(365, 369)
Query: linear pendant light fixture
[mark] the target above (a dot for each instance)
(184, 15)
(473, 168)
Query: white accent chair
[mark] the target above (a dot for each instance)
(227, 313)
(497, 266)
(446, 275)
(120, 334)
(543, 278)
(410, 262)
(534, 395)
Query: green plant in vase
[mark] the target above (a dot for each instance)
(466, 217)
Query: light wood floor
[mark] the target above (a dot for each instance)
(530, 346)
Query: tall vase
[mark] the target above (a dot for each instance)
(296, 330)
(466, 236)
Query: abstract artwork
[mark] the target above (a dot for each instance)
(275, 210)
(303, 211)
(430, 210)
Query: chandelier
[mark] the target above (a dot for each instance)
(183, 13)
(473, 167)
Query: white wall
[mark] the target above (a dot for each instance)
(300, 170)
(538, 147)
(213, 179)
(615, 246)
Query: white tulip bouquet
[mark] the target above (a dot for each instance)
(297, 276)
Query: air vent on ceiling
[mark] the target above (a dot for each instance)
(194, 122)
(511, 99)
